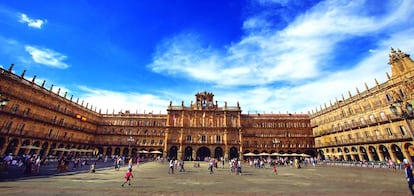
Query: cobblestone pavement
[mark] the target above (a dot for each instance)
(153, 179)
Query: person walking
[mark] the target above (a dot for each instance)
(128, 177)
(171, 167)
(409, 175)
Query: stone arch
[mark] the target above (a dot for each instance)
(364, 153)
(117, 151)
(125, 152)
(383, 151)
(218, 153)
(373, 151)
(396, 150)
(234, 153)
(203, 152)
(173, 152)
(109, 151)
(321, 155)
(11, 147)
(188, 153)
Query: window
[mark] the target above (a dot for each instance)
(189, 138)
(377, 133)
(218, 138)
(367, 133)
(203, 138)
(363, 121)
(152, 141)
(402, 129)
(160, 143)
(389, 131)
(389, 98)
(383, 116)
(372, 118)
(144, 141)
(15, 108)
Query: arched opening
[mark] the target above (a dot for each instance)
(373, 153)
(100, 150)
(109, 151)
(22, 150)
(397, 152)
(347, 155)
(203, 153)
(117, 151)
(134, 152)
(12, 146)
(125, 152)
(172, 154)
(33, 151)
(42, 151)
(321, 155)
(384, 152)
(52, 148)
(2, 142)
(364, 153)
(354, 152)
(218, 153)
(234, 153)
(188, 154)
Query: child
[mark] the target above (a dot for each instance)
(274, 168)
(128, 177)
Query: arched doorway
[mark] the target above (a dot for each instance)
(117, 151)
(397, 152)
(22, 150)
(384, 152)
(12, 146)
(109, 151)
(218, 153)
(125, 152)
(373, 153)
(364, 153)
(42, 152)
(202, 153)
(354, 152)
(134, 152)
(173, 152)
(321, 155)
(234, 153)
(347, 155)
(52, 148)
(188, 154)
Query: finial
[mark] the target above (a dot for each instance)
(11, 67)
(376, 82)
(33, 79)
(51, 88)
(24, 72)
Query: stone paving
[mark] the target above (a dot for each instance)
(153, 179)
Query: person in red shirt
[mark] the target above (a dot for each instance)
(128, 177)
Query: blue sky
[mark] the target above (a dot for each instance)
(271, 56)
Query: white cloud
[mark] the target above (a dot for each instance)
(34, 23)
(120, 101)
(297, 55)
(47, 57)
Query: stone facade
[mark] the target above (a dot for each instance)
(373, 125)
(48, 122)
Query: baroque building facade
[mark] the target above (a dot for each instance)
(373, 125)
(44, 121)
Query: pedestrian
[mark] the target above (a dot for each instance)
(128, 177)
(93, 168)
(171, 167)
(274, 168)
(409, 175)
(210, 167)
